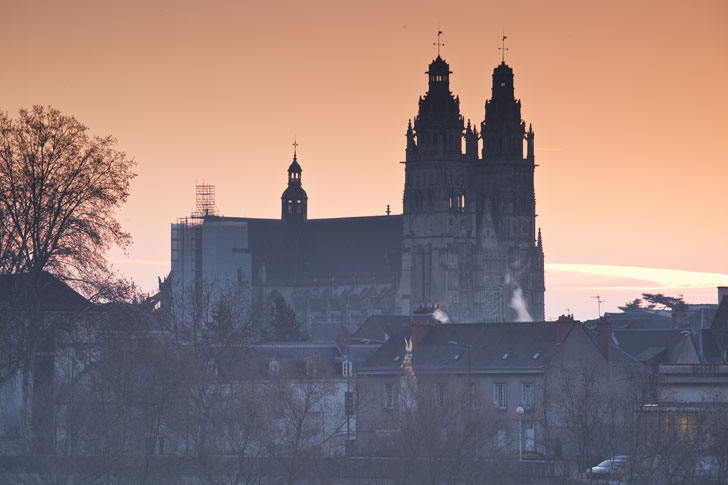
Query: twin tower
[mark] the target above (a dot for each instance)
(469, 238)
(468, 229)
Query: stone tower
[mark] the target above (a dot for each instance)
(468, 222)
(294, 201)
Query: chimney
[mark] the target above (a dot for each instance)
(604, 337)
(422, 323)
(563, 326)
(722, 293)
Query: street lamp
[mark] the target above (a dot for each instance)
(519, 412)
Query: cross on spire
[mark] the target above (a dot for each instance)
(438, 43)
(503, 48)
(295, 146)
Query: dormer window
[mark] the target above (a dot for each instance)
(274, 368)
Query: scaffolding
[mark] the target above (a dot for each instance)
(205, 202)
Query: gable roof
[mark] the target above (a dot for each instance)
(55, 295)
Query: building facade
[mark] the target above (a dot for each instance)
(466, 240)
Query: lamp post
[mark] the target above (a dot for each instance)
(519, 412)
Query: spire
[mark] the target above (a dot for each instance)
(539, 244)
(503, 130)
(529, 141)
(438, 127)
(411, 144)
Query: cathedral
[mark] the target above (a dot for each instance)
(466, 239)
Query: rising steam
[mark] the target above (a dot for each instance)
(518, 303)
(440, 315)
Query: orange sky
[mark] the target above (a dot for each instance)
(627, 100)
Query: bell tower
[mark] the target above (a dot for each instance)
(510, 193)
(439, 222)
(294, 201)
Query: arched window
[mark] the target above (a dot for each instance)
(418, 201)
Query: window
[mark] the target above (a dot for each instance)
(349, 403)
(499, 395)
(346, 368)
(440, 394)
(388, 396)
(274, 368)
(527, 394)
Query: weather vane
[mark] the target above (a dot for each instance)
(438, 43)
(503, 48)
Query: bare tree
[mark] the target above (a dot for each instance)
(217, 413)
(59, 189)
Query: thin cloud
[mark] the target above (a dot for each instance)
(665, 278)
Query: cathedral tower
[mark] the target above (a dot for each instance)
(508, 189)
(439, 222)
(469, 233)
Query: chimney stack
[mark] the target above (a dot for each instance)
(604, 338)
(563, 326)
(422, 323)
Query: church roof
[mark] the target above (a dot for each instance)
(344, 250)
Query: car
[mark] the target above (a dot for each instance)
(611, 468)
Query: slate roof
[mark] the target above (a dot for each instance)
(526, 347)
(55, 295)
(660, 346)
(341, 250)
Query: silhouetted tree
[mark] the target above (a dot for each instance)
(651, 300)
(631, 306)
(284, 326)
(59, 189)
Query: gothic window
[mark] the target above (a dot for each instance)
(419, 202)
(430, 200)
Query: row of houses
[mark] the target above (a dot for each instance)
(413, 386)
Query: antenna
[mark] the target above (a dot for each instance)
(438, 43)
(599, 304)
(503, 47)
